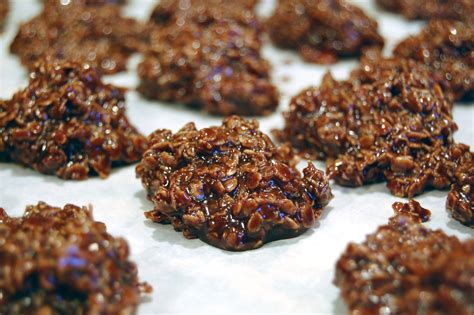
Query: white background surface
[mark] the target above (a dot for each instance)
(188, 275)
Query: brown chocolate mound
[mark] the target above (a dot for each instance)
(97, 35)
(4, 8)
(412, 210)
(208, 57)
(61, 261)
(390, 121)
(461, 197)
(404, 268)
(431, 9)
(230, 186)
(446, 47)
(323, 31)
(67, 122)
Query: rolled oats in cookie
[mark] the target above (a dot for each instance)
(323, 31)
(207, 55)
(405, 268)
(97, 35)
(61, 261)
(230, 186)
(460, 201)
(391, 121)
(447, 48)
(433, 170)
(68, 123)
(431, 9)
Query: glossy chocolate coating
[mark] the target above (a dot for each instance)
(446, 48)
(460, 201)
(323, 31)
(230, 185)
(61, 261)
(67, 122)
(405, 268)
(391, 121)
(207, 55)
(97, 35)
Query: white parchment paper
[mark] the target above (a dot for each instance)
(189, 276)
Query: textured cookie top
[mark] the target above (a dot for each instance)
(58, 261)
(389, 121)
(323, 31)
(218, 68)
(405, 268)
(461, 196)
(68, 123)
(207, 55)
(230, 185)
(446, 48)
(97, 35)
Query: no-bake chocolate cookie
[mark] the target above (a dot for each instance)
(447, 48)
(68, 123)
(208, 57)
(61, 261)
(390, 121)
(4, 8)
(230, 185)
(461, 197)
(97, 35)
(431, 9)
(412, 210)
(323, 31)
(405, 268)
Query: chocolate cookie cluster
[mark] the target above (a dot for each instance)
(68, 123)
(411, 210)
(61, 261)
(207, 54)
(405, 268)
(391, 121)
(97, 35)
(323, 31)
(230, 185)
(446, 47)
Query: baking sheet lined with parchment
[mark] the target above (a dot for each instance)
(190, 276)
